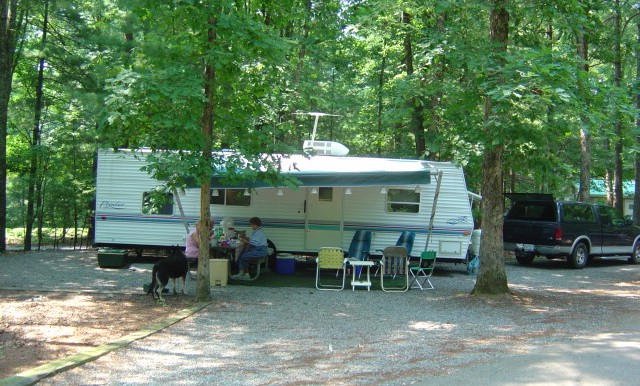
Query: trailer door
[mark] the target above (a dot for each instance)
(324, 218)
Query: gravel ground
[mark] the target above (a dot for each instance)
(301, 336)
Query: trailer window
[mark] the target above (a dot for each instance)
(157, 203)
(230, 197)
(403, 200)
(325, 194)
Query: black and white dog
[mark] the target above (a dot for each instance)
(172, 267)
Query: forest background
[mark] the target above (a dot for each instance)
(542, 93)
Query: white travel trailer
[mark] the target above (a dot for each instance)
(336, 197)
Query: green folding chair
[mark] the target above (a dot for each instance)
(422, 272)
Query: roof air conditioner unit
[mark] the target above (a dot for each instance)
(326, 148)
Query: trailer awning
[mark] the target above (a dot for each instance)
(327, 171)
(345, 179)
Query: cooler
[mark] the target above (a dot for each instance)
(112, 258)
(218, 272)
(285, 264)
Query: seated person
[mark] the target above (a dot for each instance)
(252, 248)
(192, 245)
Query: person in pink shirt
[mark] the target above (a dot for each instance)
(192, 250)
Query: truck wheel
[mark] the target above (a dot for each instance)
(579, 256)
(524, 258)
(635, 255)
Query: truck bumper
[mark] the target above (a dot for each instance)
(544, 250)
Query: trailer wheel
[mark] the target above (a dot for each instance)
(273, 253)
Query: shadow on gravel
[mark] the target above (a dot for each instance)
(450, 270)
(561, 264)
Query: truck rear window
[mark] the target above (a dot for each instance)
(536, 211)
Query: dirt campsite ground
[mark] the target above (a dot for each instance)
(38, 326)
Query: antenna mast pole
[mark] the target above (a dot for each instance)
(315, 122)
(315, 125)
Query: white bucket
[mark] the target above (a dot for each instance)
(475, 242)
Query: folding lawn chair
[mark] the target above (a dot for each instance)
(394, 264)
(422, 272)
(406, 240)
(330, 258)
(360, 247)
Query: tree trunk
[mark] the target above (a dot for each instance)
(608, 180)
(303, 48)
(203, 284)
(383, 67)
(432, 115)
(492, 277)
(33, 193)
(585, 135)
(41, 187)
(618, 199)
(636, 195)
(417, 119)
(8, 29)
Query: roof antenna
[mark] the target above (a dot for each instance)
(315, 122)
(322, 147)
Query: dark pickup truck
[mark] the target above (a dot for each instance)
(538, 225)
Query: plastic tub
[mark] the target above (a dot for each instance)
(285, 264)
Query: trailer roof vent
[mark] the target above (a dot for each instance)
(326, 148)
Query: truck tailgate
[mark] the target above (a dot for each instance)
(529, 232)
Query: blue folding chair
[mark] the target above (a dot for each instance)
(359, 247)
(406, 240)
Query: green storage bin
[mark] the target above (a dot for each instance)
(112, 258)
